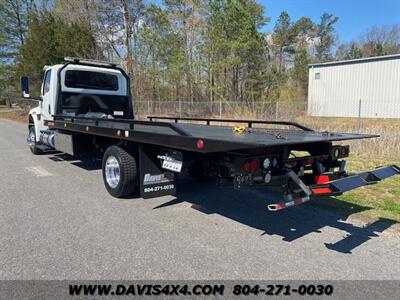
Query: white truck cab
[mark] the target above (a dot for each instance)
(47, 101)
(77, 89)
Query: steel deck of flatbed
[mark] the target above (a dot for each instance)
(184, 136)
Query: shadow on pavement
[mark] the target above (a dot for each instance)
(88, 163)
(359, 235)
(249, 207)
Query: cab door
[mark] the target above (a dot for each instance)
(45, 105)
(47, 96)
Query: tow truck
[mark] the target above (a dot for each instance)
(86, 107)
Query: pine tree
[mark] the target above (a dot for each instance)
(14, 19)
(354, 52)
(284, 38)
(300, 69)
(325, 34)
(236, 50)
(49, 40)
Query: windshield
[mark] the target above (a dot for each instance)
(91, 80)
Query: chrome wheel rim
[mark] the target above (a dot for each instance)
(112, 172)
(31, 138)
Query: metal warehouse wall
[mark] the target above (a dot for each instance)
(340, 87)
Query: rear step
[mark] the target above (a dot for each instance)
(45, 148)
(339, 186)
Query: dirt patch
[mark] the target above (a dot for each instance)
(15, 115)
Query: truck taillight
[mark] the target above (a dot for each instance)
(321, 190)
(250, 166)
(321, 179)
(200, 144)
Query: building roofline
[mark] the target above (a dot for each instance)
(355, 61)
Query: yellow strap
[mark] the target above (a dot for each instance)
(238, 129)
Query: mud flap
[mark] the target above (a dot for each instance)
(154, 182)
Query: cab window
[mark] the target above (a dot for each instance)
(91, 80)
(46, 85)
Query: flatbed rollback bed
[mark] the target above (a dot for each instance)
(144, 157)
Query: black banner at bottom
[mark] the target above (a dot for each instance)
(55, 289)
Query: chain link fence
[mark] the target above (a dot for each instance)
(228, 110)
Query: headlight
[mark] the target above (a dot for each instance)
(266, 163)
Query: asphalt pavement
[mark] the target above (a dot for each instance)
(58, 222)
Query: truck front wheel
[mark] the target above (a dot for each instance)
(31, 141)
(120, 172)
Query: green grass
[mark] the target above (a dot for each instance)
(381, 200)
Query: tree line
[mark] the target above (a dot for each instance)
(188, 50)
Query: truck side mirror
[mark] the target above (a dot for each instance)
(25, 86)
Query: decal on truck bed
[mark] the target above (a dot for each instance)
(160, 178)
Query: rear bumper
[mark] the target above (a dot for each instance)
(339, 186)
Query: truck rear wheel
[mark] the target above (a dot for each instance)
(31, 141)
(120, 173)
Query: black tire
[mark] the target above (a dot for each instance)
(33, 146)
(128, 172)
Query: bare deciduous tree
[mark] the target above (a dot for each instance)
(381, 40)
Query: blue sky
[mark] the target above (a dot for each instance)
(355, 16)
